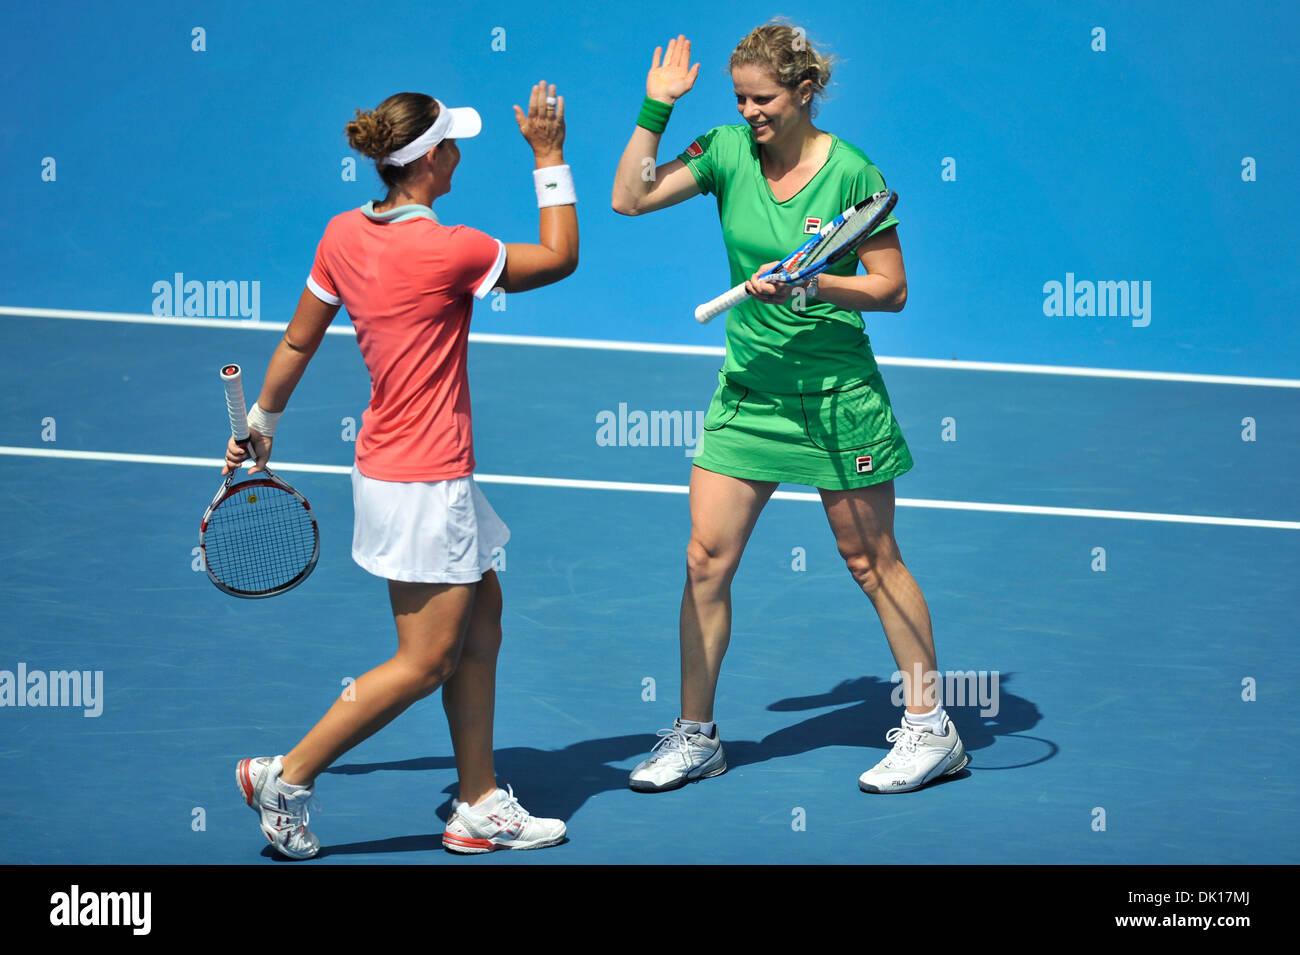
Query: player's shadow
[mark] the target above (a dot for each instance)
(558, 782)
(867, 706)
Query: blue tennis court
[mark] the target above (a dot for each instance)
(1102, 517)
(1119, 689)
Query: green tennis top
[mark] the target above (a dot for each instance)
(775, 348)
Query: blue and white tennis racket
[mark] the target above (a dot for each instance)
(837, 239)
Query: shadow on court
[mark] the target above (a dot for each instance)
(871, 712)
(558, 782)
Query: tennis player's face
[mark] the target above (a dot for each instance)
(445, 161)
(767, 106)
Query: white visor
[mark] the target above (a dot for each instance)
(459, 123)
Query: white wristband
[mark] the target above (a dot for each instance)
(554, 186)
(263, 422)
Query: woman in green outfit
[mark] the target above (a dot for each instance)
(799, 397)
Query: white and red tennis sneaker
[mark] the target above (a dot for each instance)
(498, 822)
(283, 814)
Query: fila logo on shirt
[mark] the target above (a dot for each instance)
(694, 149)
(812, 225)
(864, 464)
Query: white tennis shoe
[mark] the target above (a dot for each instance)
(499, 822)
(283, 815)
(683, 755)
(919, 757)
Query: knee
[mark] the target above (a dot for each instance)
(705, 565)
(869, 567)
(429, 674)
(865, 571)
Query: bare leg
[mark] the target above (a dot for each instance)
(469, 697)
(431, 623)
(723, 513)
(863, 522)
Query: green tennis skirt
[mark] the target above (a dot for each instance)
(835, 440)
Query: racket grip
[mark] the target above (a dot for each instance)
(231, 378)
(710, 310)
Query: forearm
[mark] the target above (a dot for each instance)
(558, 234)
(631, 182)
(557, 228)
(288, 363)
(555, 255)
(863, 293)
(639, 184)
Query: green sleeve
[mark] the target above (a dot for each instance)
(864, 184)
(703, 160)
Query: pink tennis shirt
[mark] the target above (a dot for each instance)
(409, 284)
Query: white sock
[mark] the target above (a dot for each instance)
(932, 720)
(484, 805)
(705, 728)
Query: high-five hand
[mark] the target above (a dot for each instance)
(543, 124)
(672, 79)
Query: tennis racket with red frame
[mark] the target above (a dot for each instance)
(259, 537)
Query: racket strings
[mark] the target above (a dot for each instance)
(259, 539)
(848, 233)
(850, 230)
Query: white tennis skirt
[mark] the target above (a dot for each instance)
(427, 532)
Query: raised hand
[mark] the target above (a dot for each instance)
(543, 125)
(672, 79)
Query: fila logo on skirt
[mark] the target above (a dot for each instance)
(864, 464)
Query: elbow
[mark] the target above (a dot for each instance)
(624, 206)
(562, 268)
(900, 299)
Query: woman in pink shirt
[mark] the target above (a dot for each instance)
(421, 522)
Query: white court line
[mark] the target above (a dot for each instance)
(578, 484)
(666, 349)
